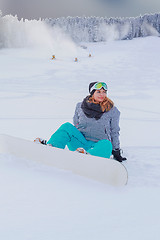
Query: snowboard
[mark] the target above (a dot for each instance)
(100, 169)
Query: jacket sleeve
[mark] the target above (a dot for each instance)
(114, 124)
(76, 117)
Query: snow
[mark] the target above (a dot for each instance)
(37, 95)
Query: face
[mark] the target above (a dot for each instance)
(99, 95)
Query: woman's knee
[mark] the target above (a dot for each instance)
(66, 126)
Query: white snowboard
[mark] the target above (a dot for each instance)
(105, 170)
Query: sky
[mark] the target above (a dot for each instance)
(35, 9)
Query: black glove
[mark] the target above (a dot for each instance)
(117, 155)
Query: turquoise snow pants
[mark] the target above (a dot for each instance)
(69, 135)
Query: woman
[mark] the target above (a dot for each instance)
(96, 126)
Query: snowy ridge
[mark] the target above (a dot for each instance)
(48, 32)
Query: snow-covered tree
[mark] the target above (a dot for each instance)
(95, 29)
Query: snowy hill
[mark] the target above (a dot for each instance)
(37, 95)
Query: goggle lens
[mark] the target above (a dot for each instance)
(100, 85)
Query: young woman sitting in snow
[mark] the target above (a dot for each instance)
(96, 126)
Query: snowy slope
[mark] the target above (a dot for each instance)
(37, 94)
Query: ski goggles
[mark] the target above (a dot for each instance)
(98, 86)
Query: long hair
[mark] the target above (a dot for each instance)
(106, 105)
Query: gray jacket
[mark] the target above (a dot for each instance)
(107, 127)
